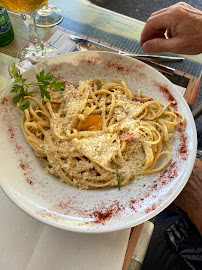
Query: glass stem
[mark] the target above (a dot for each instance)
(30, 24)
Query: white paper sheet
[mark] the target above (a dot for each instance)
(61, 41)
(27, 244)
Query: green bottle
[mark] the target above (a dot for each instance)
(6, 29)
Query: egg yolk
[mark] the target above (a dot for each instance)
(92, 122)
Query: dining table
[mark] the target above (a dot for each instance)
(28, 244)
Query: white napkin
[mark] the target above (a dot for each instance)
(27, 244)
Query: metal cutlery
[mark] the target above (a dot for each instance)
(137, 56)
(168, 70)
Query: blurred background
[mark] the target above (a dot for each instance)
(140, 9)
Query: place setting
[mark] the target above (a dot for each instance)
(100, 141)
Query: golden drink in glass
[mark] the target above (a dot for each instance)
(22, 6)
(37, 50)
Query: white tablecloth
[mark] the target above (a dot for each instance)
(27, 244)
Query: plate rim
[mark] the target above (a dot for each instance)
(103, 228)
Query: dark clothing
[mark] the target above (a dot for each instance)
(176, 243)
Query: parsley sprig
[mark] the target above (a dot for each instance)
(44, 82)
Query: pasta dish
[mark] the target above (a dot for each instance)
(100, 134)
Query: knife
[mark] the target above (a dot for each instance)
(164, 69)
(137, 56)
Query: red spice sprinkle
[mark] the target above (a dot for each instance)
(133, 201)
(22, 165)
(169, 174)
(4, 100)
(62, 205)
(25, 167)
(150, 209)
(101, 217)
(29, 181)
(93, 60)
(131, 205)
(183, 149)
(167, 94)
(118, 67)
(154, 186)
(57, 67)
(172, 173)
(11, 132)
(180, 127)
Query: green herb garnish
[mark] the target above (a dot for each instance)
(117, 176)
(44, 82)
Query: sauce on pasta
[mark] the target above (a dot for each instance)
(82, 134)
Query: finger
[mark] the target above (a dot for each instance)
(152, 34)
(169, 34)
(160, 33)
(154, 26)
(162, 45)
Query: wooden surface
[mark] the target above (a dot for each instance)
(131, 246)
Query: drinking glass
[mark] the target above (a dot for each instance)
(37, 50)
(48, 15)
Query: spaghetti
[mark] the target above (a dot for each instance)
(85, 133)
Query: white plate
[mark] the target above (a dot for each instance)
(46, 198)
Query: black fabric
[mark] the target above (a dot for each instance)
(175, 244)
(199, 133)
(185, 240)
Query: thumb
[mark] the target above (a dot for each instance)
(161, 45)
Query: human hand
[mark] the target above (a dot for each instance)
(183, 24)
(190, 199)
